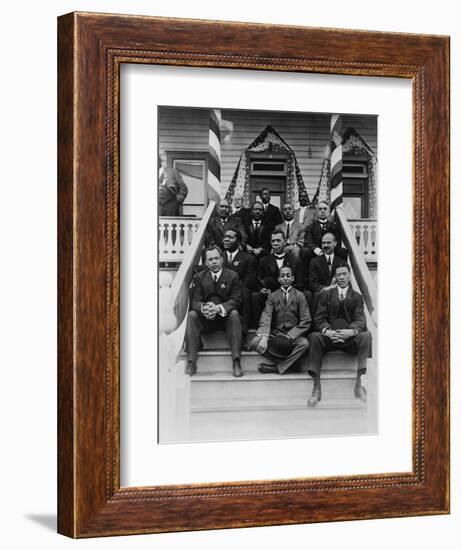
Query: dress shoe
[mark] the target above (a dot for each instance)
(266, 368)
(191, 368)
(315, 397)
(237, 369)
(360, 393)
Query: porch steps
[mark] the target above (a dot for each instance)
(215, 389)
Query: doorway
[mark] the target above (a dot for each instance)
(270, 173)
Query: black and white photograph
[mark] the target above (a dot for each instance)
(267, 272)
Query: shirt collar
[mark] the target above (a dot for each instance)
(343, 291)
(287, 291)
(218, 274)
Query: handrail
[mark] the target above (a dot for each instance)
(365, 281)
(180, 287)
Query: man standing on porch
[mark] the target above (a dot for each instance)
(272, 216)
(215, 303)
(341, 325)
(171, 189)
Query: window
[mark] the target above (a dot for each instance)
(194, 169)
(355, 189)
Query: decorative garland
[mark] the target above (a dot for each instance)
(268, 139)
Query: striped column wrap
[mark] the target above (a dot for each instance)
(336, 162)
(214, 156)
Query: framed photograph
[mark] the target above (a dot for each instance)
(253, 275)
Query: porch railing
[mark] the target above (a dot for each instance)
(365, 233)
(175, 236)
(362, 274)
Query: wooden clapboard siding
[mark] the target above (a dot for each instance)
(366, 126)
(183, 129)
(186, 129)
(299, 130)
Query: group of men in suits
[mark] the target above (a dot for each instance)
(289, 280)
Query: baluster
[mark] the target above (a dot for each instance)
(365, 235)
(168, 238)
(180, 237)
(190, 233)
(174, 238)
(161, 239)
(358, 236)
(373, 241)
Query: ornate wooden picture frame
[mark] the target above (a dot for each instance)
(92, 48)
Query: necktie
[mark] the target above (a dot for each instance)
(329, 263)
(215, 280)
(287, 236)
(257, 230)
(285, 297)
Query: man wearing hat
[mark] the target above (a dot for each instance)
(341, 325)
(171, 190)
(284, 322)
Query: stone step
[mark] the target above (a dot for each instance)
(255, 391)
(218, 340)
(296, 404)
(219, 360)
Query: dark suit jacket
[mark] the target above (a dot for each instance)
(244, 214)
(293, 318)
(246, 266)
(272, 216)
(262, 240)
(314, 234)
(268, 271)
(216, 228)
(172, 192)
(227, 292)
(319, 274)
(328, 308)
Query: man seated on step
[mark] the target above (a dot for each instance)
(340, 325)
(314, 232)
(239, 211)
(258, 233)
(293, 231)
(220, 222)
(285, 321)
(322, 269)
(246, 267)
(216, 300)
(269, 270)
(305, 214)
